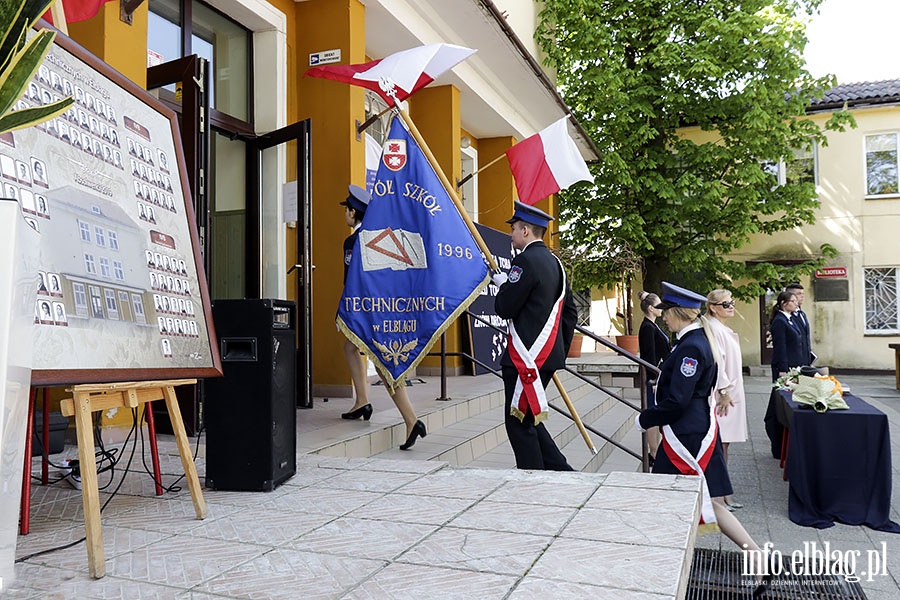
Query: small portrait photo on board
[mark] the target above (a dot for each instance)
(42, 283)
(33, 223)
(40, 172)
(161, 322)
(64, 131)
(44, 74)
(157, 302)
(28, 203)
(56, 81)
(166, 347)
(154, 281)
(23, 172)
(151, 262)
(8, 167)
(59, 314)
(163, 161)
(11, 191)
(33, 92)
(43, 207)
(46, 312)
(54, 284)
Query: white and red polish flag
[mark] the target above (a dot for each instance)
(546, 162)
(408, 71)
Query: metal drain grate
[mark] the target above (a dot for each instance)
(716, 575)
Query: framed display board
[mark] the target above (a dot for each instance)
(122, 295)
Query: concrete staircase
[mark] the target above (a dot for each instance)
(470, 431)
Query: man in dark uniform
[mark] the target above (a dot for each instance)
(799, 317)
(537, 301)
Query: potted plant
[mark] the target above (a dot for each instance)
(19, 61)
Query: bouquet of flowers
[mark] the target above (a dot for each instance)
(822, 393)
(789, 380)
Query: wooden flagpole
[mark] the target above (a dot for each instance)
(451, 191)
(59, 17)
(460, 183)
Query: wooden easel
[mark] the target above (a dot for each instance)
(90, 398)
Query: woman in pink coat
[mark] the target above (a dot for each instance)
(730, 383)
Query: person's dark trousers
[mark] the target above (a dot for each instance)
(532, 444)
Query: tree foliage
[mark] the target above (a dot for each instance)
(635, 73)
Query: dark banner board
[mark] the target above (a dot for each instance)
(486, 343)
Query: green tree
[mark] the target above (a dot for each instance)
(636, 72)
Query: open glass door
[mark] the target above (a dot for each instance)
(278, 165)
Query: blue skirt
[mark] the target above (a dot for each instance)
(716, 471)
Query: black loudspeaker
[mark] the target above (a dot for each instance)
(251, 412)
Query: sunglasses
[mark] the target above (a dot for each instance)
(726, 304)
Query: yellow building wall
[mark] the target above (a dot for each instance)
(496, 188)
(862, 230)
(338, 160)
(122, 46)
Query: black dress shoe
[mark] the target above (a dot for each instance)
(363, 411)
(418, 430)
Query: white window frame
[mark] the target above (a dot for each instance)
(138, 303)
(865, 161)
(113, 238)
(118, 270)
(896, 302)
(112, 306)
(105, 271)
(99, 236)
(781, 167)
(89, 265)
(81, 302)
(85, 229)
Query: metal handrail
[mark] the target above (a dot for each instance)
(643, 368)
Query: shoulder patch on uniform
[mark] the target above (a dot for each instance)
(688, 366)
(348, 256)
(515, 274)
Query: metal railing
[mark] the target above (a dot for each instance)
(643, 368)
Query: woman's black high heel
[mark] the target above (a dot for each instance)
(418, 430)
(762, 588)
(363, 411)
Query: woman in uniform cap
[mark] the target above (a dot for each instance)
(355, 208)
(691, 444)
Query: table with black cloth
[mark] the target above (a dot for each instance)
(838, 462)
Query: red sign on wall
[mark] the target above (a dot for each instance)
(829, 272)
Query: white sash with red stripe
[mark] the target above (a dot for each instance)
(529, 391)
(691, 465)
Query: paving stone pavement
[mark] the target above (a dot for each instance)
(397, 527)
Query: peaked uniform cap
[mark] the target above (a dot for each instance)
(530, 214)
(674, 295)
(358, 199)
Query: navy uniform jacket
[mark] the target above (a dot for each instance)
(348, 251)
(799, 318)
(788, 347)
(535, 282)
(653, 343)
(686, 379)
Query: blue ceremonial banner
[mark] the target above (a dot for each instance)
(415, 266)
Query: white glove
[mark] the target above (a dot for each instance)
(499, 278)
(637, 422)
